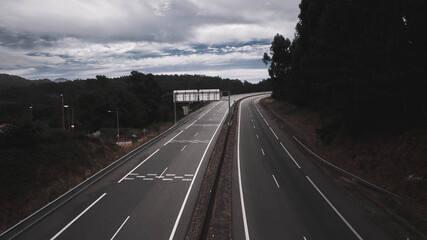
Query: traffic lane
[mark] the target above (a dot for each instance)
(351, 210)
(312, 213)
(267, 215)
(54, 222)
(316, 217)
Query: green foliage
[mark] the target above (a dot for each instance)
(362, 62)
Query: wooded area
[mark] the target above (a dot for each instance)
(360, 64)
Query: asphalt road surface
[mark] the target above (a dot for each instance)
(151, 196)
(280, 194)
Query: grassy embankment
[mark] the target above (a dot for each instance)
(36, 167)
(393, 161)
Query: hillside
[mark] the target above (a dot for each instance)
(7, 81)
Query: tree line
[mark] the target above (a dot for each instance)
(360, 64)
(142, 99)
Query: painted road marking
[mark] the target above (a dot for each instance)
(242, 201)
(254, 126)
(274, 133)
(178, 177)
(186, 180)
(167, 179)
(163, 172)
(178, 218)
(188, 175)
(336, 211)
(170, 175)
(196, 133)
(191, 124)
(148, 179)
(173, 138)
(290, 155)
(75, 219)
(183, 148)
(120, 228)
(257, 136)
(275, 180)
(139, 165)
(262, 150)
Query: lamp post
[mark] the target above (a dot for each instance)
(117, 117)
(31, 113)
(62, 106)
(68, 117)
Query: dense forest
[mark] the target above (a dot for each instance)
(360, 64)
(142, 99)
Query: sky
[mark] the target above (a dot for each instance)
(79, 39)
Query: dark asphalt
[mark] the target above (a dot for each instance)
(285, 195)
(151, 196)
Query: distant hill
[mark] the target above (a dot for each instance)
(7, 81)
(58, 80)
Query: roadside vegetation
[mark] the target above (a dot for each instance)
(40, 159)
(352, 82)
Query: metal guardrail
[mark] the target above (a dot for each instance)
(373, 186)
(55, 204)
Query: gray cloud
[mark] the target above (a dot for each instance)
(80, 38)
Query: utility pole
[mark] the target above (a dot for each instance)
(117, 119)
(62, 107)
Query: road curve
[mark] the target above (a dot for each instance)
(151, 196)
(280, 194)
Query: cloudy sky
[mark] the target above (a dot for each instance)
(83, 38)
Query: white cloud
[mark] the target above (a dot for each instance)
(80, 38)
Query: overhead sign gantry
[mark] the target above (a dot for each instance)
(198, 95)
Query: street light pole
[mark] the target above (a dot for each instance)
(117, 118)
(62, 106)
(68, 117)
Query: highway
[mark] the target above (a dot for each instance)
(278, 193)
(151, 196)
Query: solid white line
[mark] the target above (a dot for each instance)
(173, 138)
(274, 133)
(139, 165)
(192, 182)
(183, 148)
(336, 211)
(119, 228)
(262, 150)
(75, 219)
(163, 172)
(275, 180)
(242, 201)
(290, 155)
(266, 122)
(259, 112)
(191, 124)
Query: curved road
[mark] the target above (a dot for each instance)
(151, 196)
(280, 194)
